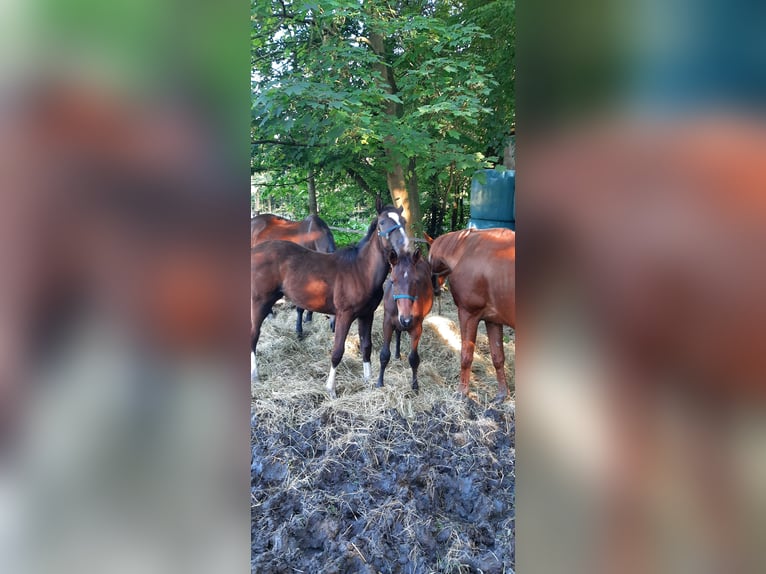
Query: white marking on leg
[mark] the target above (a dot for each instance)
(331, 382)
(366, 368)
(253, 368)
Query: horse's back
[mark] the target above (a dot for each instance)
(482, 271)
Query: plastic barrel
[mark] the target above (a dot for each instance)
(490, 223)
(493, 196)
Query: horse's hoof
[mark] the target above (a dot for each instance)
(301, 336)
(500, 398)
(331, 393)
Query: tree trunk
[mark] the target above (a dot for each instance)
(414, 217)
(312, 193)
(397, 185)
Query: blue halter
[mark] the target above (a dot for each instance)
(403, 296)
(389, 232)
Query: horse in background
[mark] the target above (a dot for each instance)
(312, 233)
(480, 266)
(408, 298)
(347, 283)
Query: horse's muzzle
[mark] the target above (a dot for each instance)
(405, 322)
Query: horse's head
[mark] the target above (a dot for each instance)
(392, 229)
(404, 284)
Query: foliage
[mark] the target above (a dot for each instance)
(350, 89)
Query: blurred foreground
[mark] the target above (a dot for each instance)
(123, 414)
(642, 323)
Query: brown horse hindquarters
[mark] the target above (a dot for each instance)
(481, 269)
(305, 277)
(312, 233)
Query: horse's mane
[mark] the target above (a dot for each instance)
(350, 253)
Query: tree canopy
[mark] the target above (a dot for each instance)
(355, 99)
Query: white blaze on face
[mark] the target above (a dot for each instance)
(398, 220)
(366, 368)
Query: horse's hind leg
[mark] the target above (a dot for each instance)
(397, 352)
(258, 312)
(299, 322)
(385, 350)
(495, 335)
(309, 316)
(255, 332)
(469, 324)
(365, 342)
(341, 332)
(332, 323)
(414, 357)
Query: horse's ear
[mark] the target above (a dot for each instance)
(378, 204)
(428, 238)
(393, 258)
(400, 209)
(416, 256)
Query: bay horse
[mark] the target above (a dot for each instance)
(407, 299)
(347, 283)
(480, 265)
(312, 233)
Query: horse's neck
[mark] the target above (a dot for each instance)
(372, 260)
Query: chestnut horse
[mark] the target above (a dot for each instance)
(482, 277)
(408, 298)
(312, 233)
(347, 283)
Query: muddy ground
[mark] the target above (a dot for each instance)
(379, 480)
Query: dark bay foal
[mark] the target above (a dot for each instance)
(407, 299)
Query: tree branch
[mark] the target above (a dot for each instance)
(356, 176)
(284, 142)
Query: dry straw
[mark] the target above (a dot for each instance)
(371, 434)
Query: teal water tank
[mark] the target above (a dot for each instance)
(493, 199)
(492, 195)
(490, 224)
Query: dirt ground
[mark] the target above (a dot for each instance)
(380, 480)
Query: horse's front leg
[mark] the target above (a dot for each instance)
(414, 358)
(341, 332)
(469, 324)
(365, 343)
(495, 335)
(397, 353)
(385, 350)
